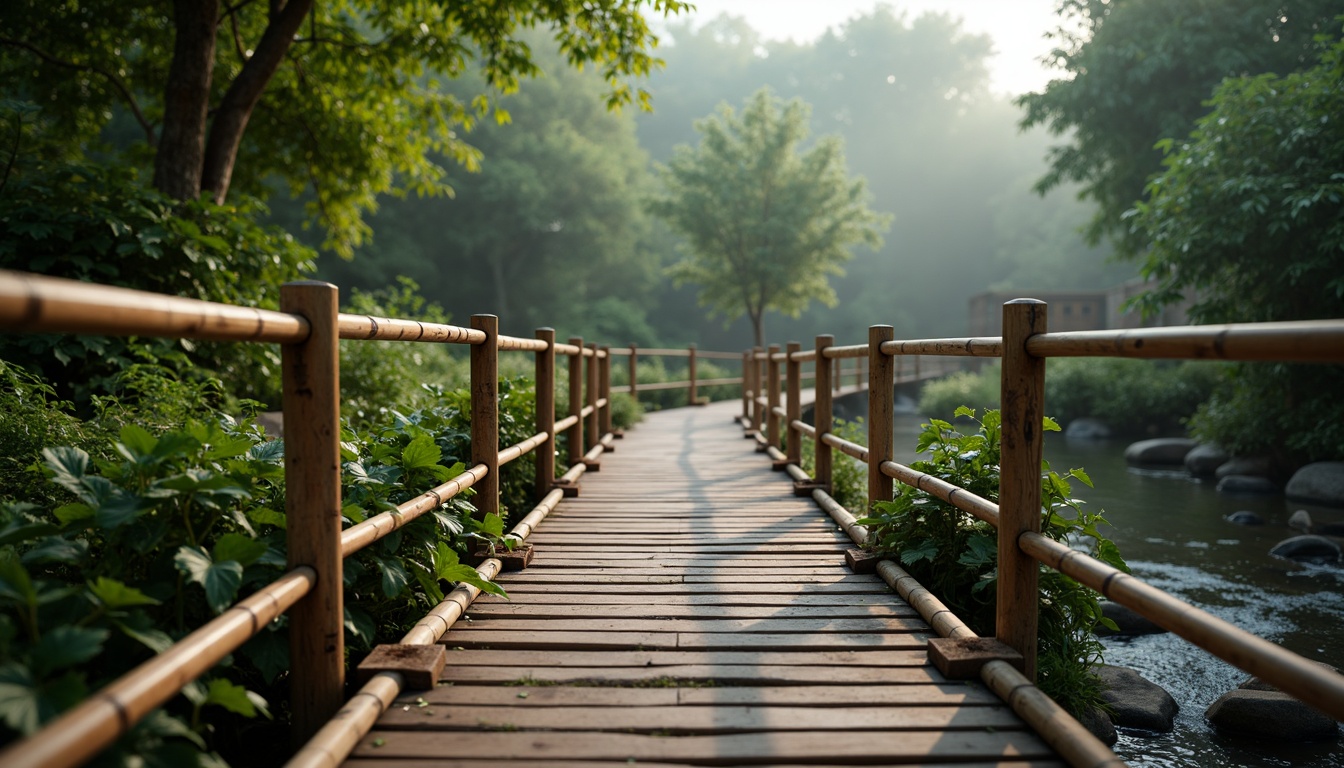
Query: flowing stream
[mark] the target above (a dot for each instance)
(1171, 531)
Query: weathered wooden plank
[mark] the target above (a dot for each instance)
(534, 610)
(486, 623)
(875, 695)
(729, 749)
(578, 641)
(787, 596)
(706, 674)
(651, 660)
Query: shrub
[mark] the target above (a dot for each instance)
(849, 476)
(946, 394)
(1133, 397)
(626, 411)
(955, 555)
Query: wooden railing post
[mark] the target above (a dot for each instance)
(590, 430)
(691, 398)
(747, 389)
(793, 402)
(772, 396)
(545, 421)
(574, 435)
(756, 380)
(311, 406)
(821, 411)
(1022, 394)
(634, 371)
(485, 413)
(835, 377)
(881, 411)
(604, 390)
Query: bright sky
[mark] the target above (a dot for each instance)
(1016, 26)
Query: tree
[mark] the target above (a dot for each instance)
(765, 224)
(1139, 71)
(341, 96)
(1247, 217)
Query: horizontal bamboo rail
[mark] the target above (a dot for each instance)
(1308, 341)
(362, 534)
(370, 328)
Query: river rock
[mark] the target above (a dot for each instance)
(1247, 484)
(1244, 517)
(1136, 702)
(1312, 549)
(1300, 521)
(1162, 451)
(1087, 428)
(1255, 466)
(1099, 724)
(1271, 716)
(1319, 483)
(1205, 459)
(1129, 622)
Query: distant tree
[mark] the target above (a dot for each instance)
(1139, 71)
(1248, 219)
(765, 224)
(338, 96)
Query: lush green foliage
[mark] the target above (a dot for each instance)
(955, 555)
(849, 476)
(153, 534)
(766, 225)
(626, 411)
(98, 224)
(343, 98)
(1139, 71)
(946, 394)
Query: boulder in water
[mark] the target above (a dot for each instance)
(1246, 484)
(1205, 459)
(1159, 452)
(1136, 702)
(1300, 521)
(1244, 517)
(1319, 483)
(1256, 466)
(1270, 716)
(1087, 428)
(1130, 622)
(1311, 549)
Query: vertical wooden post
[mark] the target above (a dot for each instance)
(590, 433)
(756, 380)
(485, 413)
(881, 411)
(311, 405)
(1022, 394)
(793, 402)
(545, 413)
(634, 371)
(900, 359)
(772, 396)
(574, 435)
(821, 411)
(835, 377)
(746, 385)
(604, 390)
(691, 398)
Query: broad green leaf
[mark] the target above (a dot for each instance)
(67, 645)
(15, 584)
(240, 548)
(70, 513)
(492, 524)
(140, 628)
(1049, 424)
(136, 443)
(360, 624)
(20, 530)
(67, 466)
(269, 451)
(57, 550)
(269, 651)
(421, 453)
(26, 705)
(393, 575)
(263, 516)
(114, 594)
(468, 575)
(234, 698)
(220, 580)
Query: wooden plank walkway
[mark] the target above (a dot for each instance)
(686, 609)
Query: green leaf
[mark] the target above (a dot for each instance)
(25, 705)
(67, 645)
(115, 595)
(269, 651)
(1049, 424)
(20, 530)
(234, 698)
(394, 577)
(263, 516)
(67, 467)
(220, 580)
(137, 442)
(240, 548)
(15, 584)
(70, 513)
(492, 525)
(421, 453)
(140, 628)
(468, 575)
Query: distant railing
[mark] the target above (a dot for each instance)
(308, 327)
(1023, 349)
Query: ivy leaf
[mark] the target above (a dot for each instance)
(25, 705)
(240, 548)
(140, 628)
(220, 580)
(115, 595)
(65, 646)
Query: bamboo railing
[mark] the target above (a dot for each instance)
(308, 327)
(1023, 348)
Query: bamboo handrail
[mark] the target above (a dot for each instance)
(108, 713)
(566, 423)
(523, 448)
(566, 349)
(952, 494)
(370, 328)
(514, 343)
(840, 353)
(970, 347)
(1299, 341)
(804, 427)
(846, 447)
(364, 533)
(37, 304)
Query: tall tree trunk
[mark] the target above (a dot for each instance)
(758, 327)
(235, 109)
(186, 98)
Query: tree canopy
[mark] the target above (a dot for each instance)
(341, 97)
(765, 224)
(1139, 71)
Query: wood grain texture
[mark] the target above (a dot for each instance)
(687, 609)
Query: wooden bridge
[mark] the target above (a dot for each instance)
(686, 605)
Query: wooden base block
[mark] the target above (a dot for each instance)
(779, 465)
(801, 488)
(862, 561)
(515, 559)
(593, 465)
(962, 659)
(418, 665)
(567, 489)
(618, 434)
